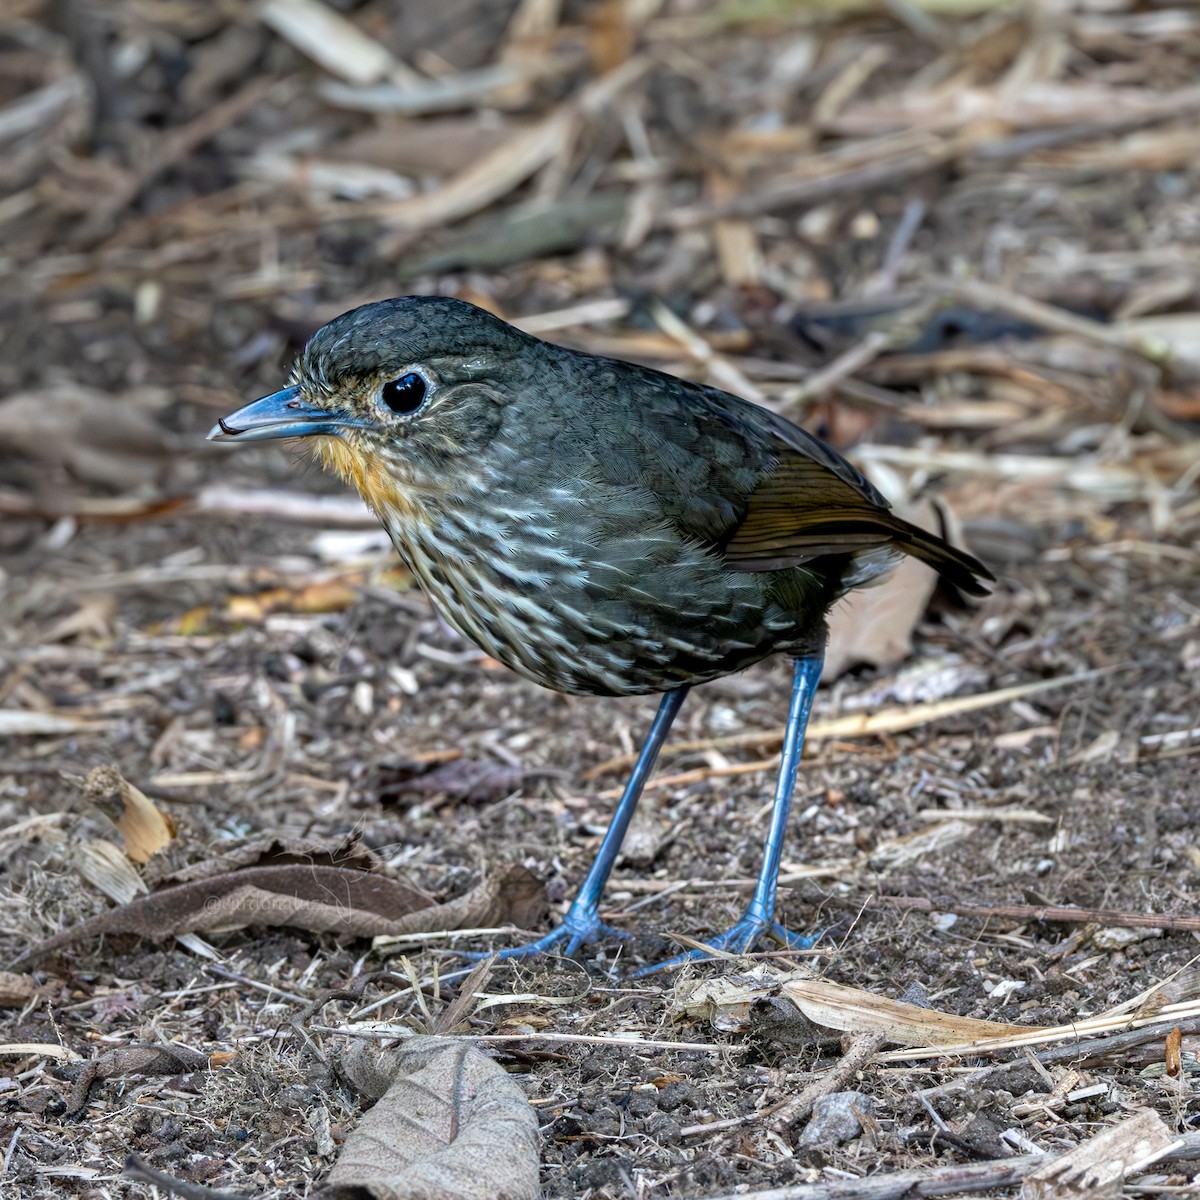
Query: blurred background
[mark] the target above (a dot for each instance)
(915, 224)
(960, 239)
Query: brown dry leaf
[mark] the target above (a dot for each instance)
(275, 850)
(329, 595)
(321, 899)
(728, 1002)
(317, 596)
(899, 852)
(475, 780)
(852, 1010)
(874, 626)
(144, 828)
(515, 896)
(449, 1125)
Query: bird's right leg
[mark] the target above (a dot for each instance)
(582, 922)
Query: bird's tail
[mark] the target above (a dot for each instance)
(956, 566)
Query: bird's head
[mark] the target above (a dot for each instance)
(401, 397)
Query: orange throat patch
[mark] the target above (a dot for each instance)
(387, 499)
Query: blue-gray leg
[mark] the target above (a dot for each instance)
(582, 923)
(759, 917)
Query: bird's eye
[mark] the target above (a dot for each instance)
(404, 395)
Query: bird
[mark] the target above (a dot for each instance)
(600, 527)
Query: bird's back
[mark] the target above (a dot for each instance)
(660, 533)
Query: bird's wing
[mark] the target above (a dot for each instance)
(748, 482)
(800, 511)
(764, 493)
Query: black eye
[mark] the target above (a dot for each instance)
(404, 395)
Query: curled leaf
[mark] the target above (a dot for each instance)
(322, 899)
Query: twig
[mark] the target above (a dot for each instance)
(1085, 1053)
(819, 382)
(862, 1049)
(890, 159)
(137, 1168)
(699, 775)
(860, 1052)
(370, 1030)
(1050, 912)
(1056, 320)
(891, 720)
(937, 1181)
(902, 236)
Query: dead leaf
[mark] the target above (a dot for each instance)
(143, 826)
(727, 1002)
(275, 850)
(874, 625)
(852, 1010)
(318, 898)
(449, 1125)
(515, 896)
(899, 852)
(107, 867)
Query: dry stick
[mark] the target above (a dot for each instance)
(893, 165)
(862, 1049)
(1088, 1052)
(699, 775)
(498, 172)
(938, 1181)
(1050, 912)
(380, 1032)
(853, 360)
(136, 1167)
(900, 333)
(890, 720)
(796, 1108)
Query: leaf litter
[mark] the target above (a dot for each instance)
(447, 1124)
(956, 240)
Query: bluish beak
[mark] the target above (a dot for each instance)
(281, 415)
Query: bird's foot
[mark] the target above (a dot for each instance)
(739, 939)
(577, 929)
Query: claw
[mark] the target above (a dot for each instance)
(577, 930)
(739, 939)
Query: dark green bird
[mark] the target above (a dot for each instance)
(600, 527)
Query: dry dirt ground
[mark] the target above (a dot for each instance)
(263, 676)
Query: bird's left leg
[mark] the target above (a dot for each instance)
(759, 917)
(582, 921)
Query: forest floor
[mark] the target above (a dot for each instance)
(962, 246)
